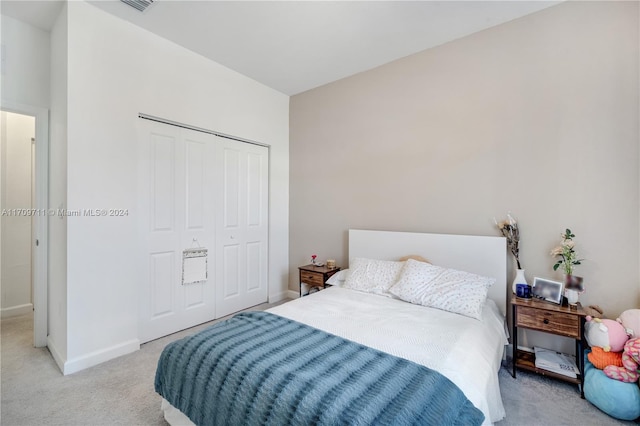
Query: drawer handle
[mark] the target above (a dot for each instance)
(310, 277)
(546, 321)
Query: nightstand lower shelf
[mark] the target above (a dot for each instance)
(527, 361)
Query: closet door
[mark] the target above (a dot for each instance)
(242, 229)
(177, 211)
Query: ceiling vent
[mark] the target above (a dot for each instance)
(140, 5)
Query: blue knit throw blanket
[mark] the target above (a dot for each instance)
(262, 369)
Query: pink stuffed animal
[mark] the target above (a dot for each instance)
(630, 371)
(630, 320)
(608, 334)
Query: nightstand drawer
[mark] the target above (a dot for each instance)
(549, 322)
(312, 278)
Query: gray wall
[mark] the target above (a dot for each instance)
(538, 116)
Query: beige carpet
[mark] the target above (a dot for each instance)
(120, 391)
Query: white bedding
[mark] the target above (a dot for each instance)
(465, 350)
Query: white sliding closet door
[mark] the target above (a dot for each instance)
(177, 212)
(199, 190)
(242, 237)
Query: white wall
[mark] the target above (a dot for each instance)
(116, 70)
(16, 194)
(57, 308)
(25, 88)
(25, 75)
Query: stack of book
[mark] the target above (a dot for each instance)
(556, 362)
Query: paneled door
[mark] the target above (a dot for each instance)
(242, 228)
(177, 211)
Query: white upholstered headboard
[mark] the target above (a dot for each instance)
(480, 255)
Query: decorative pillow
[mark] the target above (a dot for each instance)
(447, 289)
(373, 276)
(414, 257)
(338, 278)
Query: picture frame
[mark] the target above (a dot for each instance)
(548, 290)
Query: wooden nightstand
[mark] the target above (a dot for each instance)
(315, 276)
(546, 317)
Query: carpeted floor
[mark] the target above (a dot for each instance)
(120, 391)
(531, 399)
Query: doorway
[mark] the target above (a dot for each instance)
(24, 214)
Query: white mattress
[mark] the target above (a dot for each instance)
(467, 351)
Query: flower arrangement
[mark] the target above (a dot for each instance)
(509, 229)
(313, 259)
(566, 251)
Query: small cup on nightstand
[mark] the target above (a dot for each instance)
(523, 291)
(331, 263)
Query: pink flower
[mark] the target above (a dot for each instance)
(313, 256)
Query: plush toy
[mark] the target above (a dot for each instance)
(630, 320)
(593, 311)
(608, 334)
(601, 359)
(630, 370)
(617, 399)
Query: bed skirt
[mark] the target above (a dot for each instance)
(173, 416)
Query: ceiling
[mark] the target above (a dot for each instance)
(294, 46)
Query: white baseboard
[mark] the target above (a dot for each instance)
(55, 354)
(289, 294)
(97, 357)
(14, 311)
(508, 350)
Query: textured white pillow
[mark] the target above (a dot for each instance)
(372, 275)
(447, 289)
(338, 278)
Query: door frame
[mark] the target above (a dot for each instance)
(40, 261)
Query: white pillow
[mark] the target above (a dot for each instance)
(447, 289)
(338, 278)
(373, 276)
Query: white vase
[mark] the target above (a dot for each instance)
(519, 279)
(572, 297)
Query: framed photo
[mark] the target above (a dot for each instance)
(548, 290)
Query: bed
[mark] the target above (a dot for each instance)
(450, 360)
